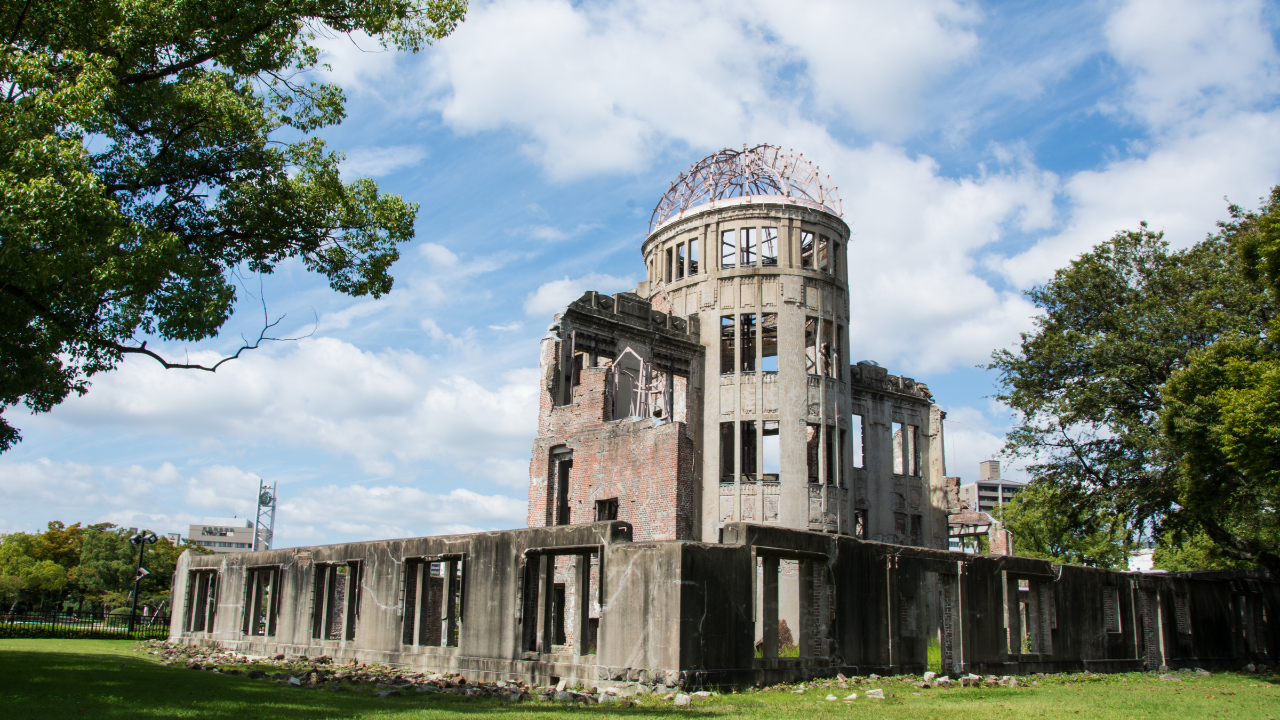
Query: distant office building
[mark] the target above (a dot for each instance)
(223, 535)
(175, 538)
(989, 492)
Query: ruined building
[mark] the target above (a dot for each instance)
(712, 475)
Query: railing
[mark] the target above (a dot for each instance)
(92, 625)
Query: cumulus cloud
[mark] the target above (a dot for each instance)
(387, 410)
(140, 497)
(379, 161)
(552, 297)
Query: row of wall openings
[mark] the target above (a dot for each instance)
(754, 447)
(335, 601)
(811, 587)
(824, 255)
(738, 248)
(544, 618)
(202, 601)
(433, 601)
(741, 332)
(572, 357)
(677, 263)
(906, 450)
(261, 600)
(828, 446)
(822, 342)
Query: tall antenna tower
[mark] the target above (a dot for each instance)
(265, 528)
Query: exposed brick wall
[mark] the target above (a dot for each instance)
(650, 470)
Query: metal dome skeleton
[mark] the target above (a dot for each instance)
(761, 170)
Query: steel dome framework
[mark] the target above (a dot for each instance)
(761, 170)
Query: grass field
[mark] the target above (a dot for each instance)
(52, 679)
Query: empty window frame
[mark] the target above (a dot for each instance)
(829, 457)
(806, 249)
(913, 450)
(859, 439)
(747, 429)
(770, 451)
(335, 601)
(693, 257)
(261, 600)
(728, 253)
(727, 355)
(562, 461)
(747, 333)
(824, 253)
(860, 524)
(747, 246)
(827, 357)
(769, 342)
(202, 600)
(769, 247)
(811, 345)
(433, 601)
(840, 451)
(607, 510)
(727, 471)
(899, 446)
(667, 275)
(837, 259)
(813, 447)
(680, 261)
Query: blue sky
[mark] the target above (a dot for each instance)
(977, 147)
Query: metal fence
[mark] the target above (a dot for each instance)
(95, 625)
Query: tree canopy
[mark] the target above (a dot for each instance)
(142, 167)
(1109, 392)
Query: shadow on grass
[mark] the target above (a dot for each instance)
(130, 686)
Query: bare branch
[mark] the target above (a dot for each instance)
(262, 337)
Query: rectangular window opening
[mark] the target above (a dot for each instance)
(727, 355)
(564, 471)
(837, 257)
(202, 600)
(769, 247)
(771, 451)
(813, 445)
(680, 260)
(917, 525)
(830, 457)
(728, 253)
(824, 254)
(693, 257)
(670, 263)
(806, 249)
(726, 452)
(769, 342)
(607, 510)
(840, 452)
(747, 331)
(811, 345)
(262, 597)
(899, 449)
(748, 432)
(913, 449)
(828, 355)
(859, 437)
(748, 247)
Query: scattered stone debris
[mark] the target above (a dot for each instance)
(683, 700)
(1171, 677)
(876, 694)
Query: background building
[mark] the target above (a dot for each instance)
(989, 492)
(223, 535)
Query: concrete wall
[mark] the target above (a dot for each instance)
(690, 613)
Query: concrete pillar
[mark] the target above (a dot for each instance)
(769, 600)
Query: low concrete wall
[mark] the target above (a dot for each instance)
(685, 613)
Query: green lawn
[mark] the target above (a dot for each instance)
(51, 679)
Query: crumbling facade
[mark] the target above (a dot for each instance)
(709, 466)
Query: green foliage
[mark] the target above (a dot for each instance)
(1066, 526)
(1110, 395)
(1193, 552)
(141, 170)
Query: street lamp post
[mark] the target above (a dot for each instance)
(142, 540)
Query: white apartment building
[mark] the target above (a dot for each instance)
(989, 492)
(223, 535)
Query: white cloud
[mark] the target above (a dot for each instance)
(972, 438)
(379, 161)
(1191, 58)
(552, 297)
(388, 410)
(138, 497)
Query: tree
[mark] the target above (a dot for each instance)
(1066, 526)
(1086, 384)
(142, 170)
(21, 570)
(1222, 415)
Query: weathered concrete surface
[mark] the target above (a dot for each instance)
(680, 613)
